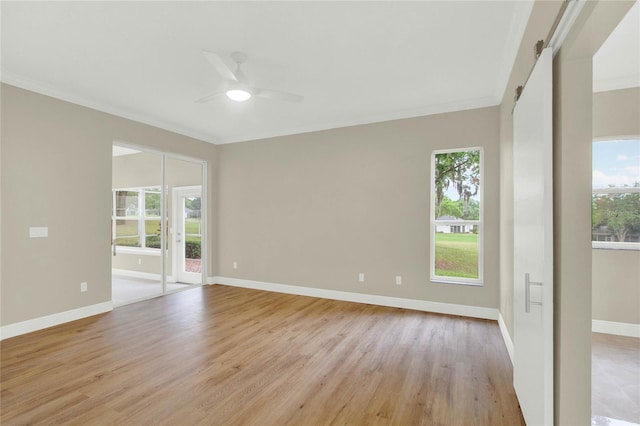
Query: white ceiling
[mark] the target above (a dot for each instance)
(354, 62)
(616, 65)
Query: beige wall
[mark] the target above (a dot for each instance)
(56, 172)
(616, 273)
(145, 169)
(616, 285)
(616, 113)
(318, 208)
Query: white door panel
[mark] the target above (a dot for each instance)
(533, 245)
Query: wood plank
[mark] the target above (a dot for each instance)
(224, 355)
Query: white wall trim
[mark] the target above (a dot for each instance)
(211, 280)
(371, 299)
(40, 323)
(506, 336)
(617, 328)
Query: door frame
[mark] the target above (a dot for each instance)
(164, 215)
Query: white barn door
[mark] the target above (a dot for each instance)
(533, 245)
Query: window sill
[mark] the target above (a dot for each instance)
(138, 250)
(458, 281)
(609, 245)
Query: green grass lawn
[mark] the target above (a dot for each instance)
(192, 226)
(457, 255)
(152, 230)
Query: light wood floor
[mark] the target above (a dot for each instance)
(231, 356)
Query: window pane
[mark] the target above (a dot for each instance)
(615, 217)
(615, 203)
(152, 204)
(152, 233)
(616, 164)
(456, 252)
(127, 233)
(126, 203)
(457, 185)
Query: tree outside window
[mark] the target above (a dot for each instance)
(615, 203)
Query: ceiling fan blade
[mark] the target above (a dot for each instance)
(209, 98)
(277, 95)
(219, 65)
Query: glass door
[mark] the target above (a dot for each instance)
(136, 225)
(188, 234)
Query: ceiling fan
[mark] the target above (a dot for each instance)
(238, 87)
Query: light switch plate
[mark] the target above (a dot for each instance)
(38, 232)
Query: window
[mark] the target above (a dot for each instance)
(615, 201)
(456, 216)
(136, 217)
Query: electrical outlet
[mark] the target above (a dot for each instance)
(83, 286)
(361, 277)
(235, 265)
(398, 279)
(139, 261)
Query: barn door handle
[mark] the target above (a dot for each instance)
(527, 293)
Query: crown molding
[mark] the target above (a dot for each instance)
(457, 106)
(47, 90)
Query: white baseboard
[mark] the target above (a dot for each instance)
(40, 323)
(211, 280)
(617, 328)
(371, 299)
(506, 336)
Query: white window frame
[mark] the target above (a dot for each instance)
(478, 223)
(141, 221)
(614, 245)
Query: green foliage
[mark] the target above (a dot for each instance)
(460, 170)
(192, 249)
(152, 203)
(194, 203)
(618, 214)
(153, 241)
(456, 255)
(468, 211)
(450, 208)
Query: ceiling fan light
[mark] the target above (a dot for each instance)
(238, 95)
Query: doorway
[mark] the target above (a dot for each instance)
(158, 240)
(615, 254)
